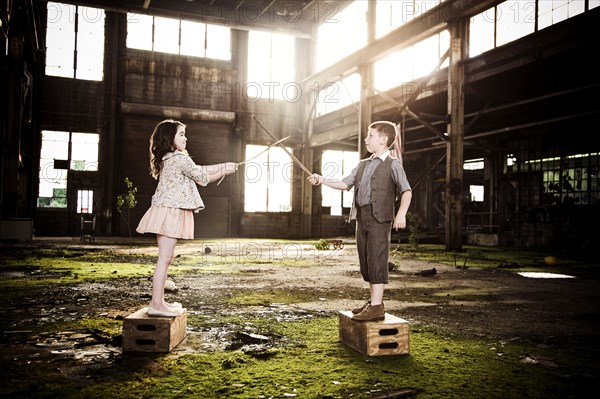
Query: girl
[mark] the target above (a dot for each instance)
(170, 215)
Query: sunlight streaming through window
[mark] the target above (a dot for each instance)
(192, 38)
(139, 31)
(166, 35)
(75, 42)
(174, 36)
(335, 165)
(61, 152)
(392, 14)
(477, 193)
(218, 45)
(348, 24)
(481, 32)
(339, 95)
(553, 11)
(267, 180)
(514, 19)
(271, 66)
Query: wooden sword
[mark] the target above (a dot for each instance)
(296, 160)
(257, 155)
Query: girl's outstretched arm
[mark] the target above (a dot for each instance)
(216, 171)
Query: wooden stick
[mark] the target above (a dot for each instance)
(296, 160)
(265, 150)
(257, 155)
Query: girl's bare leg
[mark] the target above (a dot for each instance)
(166, 251)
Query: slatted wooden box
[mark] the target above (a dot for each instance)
(143, 333)
(390, 336)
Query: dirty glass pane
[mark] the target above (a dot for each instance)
(192, 38)
(166, 35)
(84, 151)
(139, 31)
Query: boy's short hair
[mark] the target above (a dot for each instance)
(387, 128)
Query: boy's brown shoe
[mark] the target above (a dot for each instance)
(360, 309)
(371, 313)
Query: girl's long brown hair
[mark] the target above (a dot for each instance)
(161, 142)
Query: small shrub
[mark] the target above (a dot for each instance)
(127, 201)
(414, 226)
(322, 244)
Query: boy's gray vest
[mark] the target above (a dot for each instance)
(383, 190)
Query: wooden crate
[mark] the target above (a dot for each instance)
(390, 336)
(143, 333)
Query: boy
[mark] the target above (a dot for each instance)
(377, 179)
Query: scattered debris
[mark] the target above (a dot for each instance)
(550, 260)
(324, 244)
(541, 360)
(395, 394)
(508, 265)
(249, 338)
(170, 286)
(336, 244)
(427, 272)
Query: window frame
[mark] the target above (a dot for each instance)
(257, 159)
(345, 197)
(62, 167)
(208, 40)
(77, 15)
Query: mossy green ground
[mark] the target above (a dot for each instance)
(314, 364)
(308, 360)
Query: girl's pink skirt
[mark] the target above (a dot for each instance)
(170, 222)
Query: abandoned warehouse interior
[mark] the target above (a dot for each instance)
(497, 129)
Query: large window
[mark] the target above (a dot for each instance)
(474, 164)
(392, 14)
(61, 152)
(335, 165)
(504, 23)
(75, 42)
(267, 179)
(406, 65)
(271, 72)
(568, 180)
(342, 33)
(513, 19)
(174, 36)
(338, 95)
(399, 68)
(394, 70)
(554, 11)
(477, 192)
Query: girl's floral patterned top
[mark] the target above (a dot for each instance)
(177, 182)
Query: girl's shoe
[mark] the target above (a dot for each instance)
(174, 305)
(165, 313)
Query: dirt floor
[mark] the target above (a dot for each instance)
(492, 303)
(482, 302)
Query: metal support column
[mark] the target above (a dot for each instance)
(454, 147)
